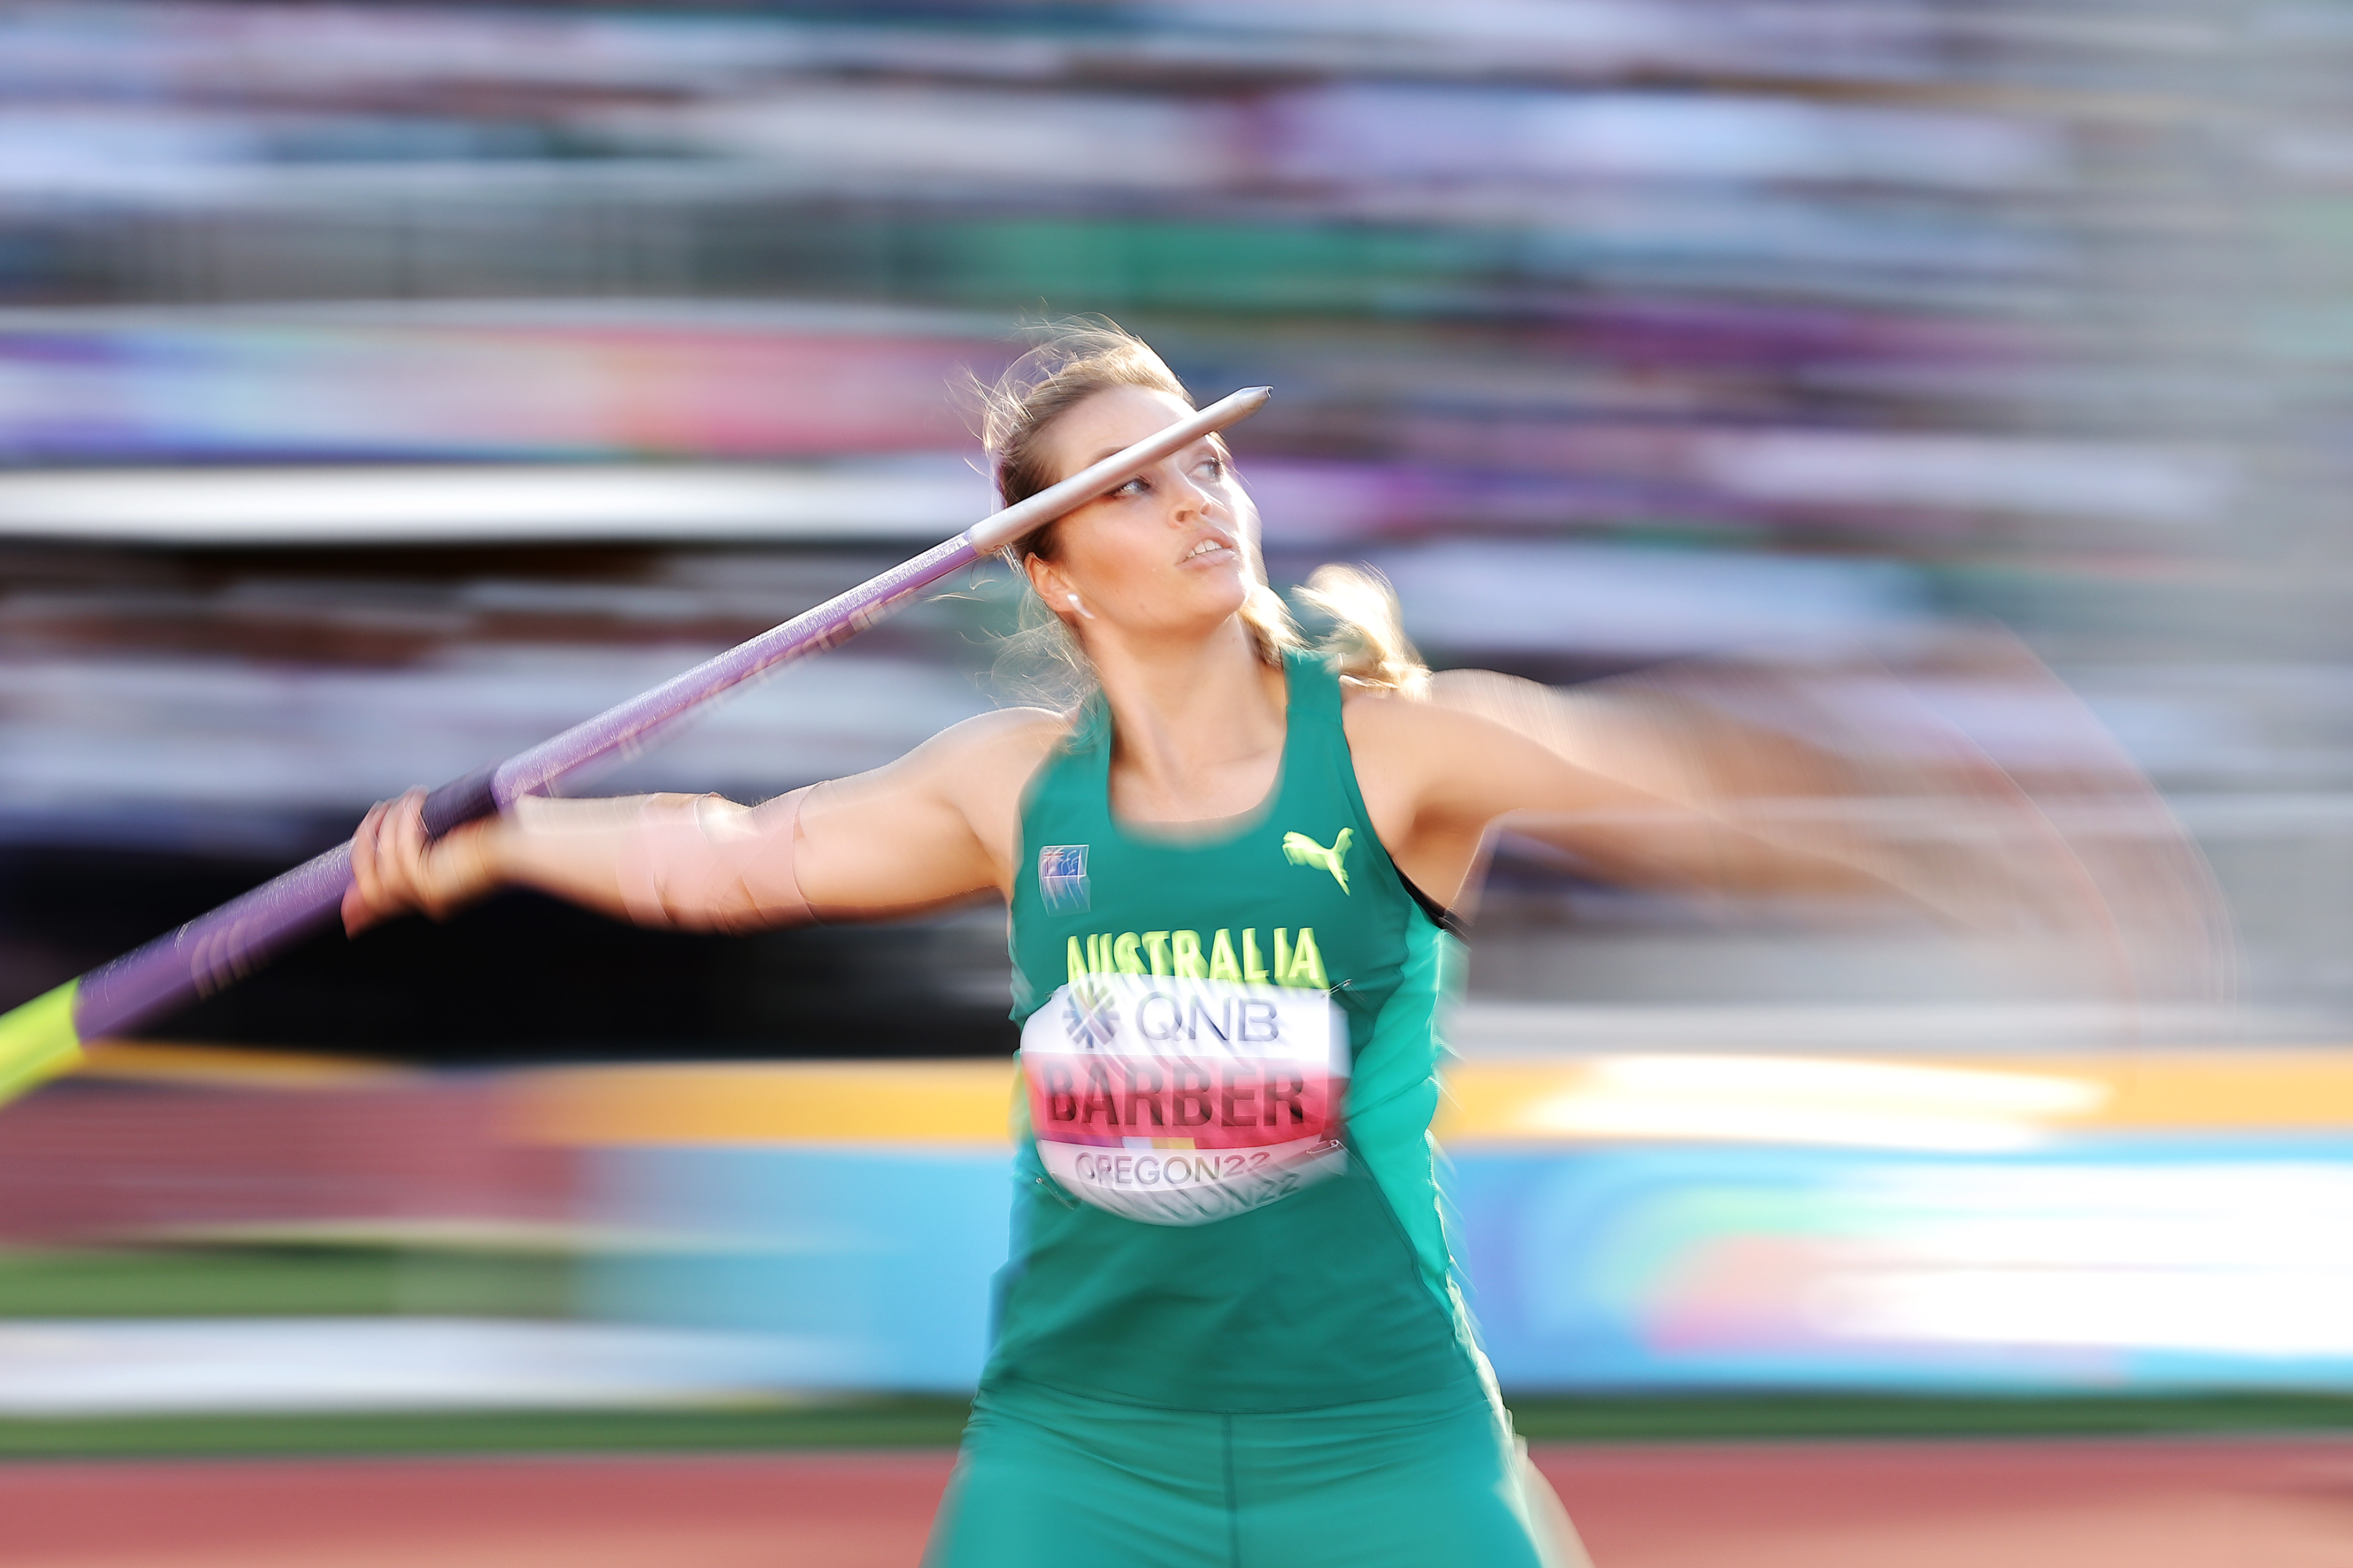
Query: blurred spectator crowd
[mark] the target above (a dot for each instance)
(385, 387)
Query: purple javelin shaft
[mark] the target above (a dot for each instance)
(225, 945)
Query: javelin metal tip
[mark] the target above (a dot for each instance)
(1235, 406)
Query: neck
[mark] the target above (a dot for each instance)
(1199, 725)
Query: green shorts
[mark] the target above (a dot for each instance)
(1050, 1480)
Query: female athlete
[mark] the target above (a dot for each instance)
(1229, 1332)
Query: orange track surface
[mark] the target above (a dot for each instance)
(2272, 1503)
(2151, 1503)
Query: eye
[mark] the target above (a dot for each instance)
(1135, 487)
(1214, 466)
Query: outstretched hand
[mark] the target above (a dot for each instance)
(394, 867)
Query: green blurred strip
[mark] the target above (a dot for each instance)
(1075, 263)
(1289, 266)
(1215, 266)
(862, 1424)
(305, 1281)
(918, 1422)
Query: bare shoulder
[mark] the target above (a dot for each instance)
(987, 756)
(980, 767)
(939, 823)
(1477, 746)
(1388, 731)
(1011, 735)
(1418, 765)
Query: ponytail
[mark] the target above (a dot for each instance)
(1368, 643)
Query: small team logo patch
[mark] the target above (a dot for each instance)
(1063, 878)
(1302, 850)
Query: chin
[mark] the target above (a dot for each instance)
(1228, 599)
(1200, 614)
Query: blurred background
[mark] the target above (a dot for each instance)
(383, 387)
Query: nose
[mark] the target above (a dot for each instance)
(1188, 499)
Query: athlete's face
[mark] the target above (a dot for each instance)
(1165, 553)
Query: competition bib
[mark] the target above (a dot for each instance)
(1180, 1101)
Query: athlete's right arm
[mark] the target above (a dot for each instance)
(934, 826)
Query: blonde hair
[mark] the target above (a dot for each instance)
(1368, 643)
(1073, 360)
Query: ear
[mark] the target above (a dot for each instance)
(1048, 581)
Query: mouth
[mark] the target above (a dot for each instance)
(1211, 546)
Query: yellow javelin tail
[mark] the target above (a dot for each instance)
(38, 1041)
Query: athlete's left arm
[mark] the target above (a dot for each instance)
(1437, 774)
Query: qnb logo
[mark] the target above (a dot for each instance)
(1089, 1018)
(1250, 1021)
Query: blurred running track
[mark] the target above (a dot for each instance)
(2151, 1503)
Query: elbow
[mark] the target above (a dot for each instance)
(704, 864)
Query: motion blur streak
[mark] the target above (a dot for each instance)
(1796, 1101)
(731, 1231)
(1918, 426)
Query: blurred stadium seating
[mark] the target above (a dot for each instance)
(383, 387)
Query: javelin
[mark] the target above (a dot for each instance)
(46, 1036)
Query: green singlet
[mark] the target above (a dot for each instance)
(1229, 1333)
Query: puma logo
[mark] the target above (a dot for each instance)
(1302, 850)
